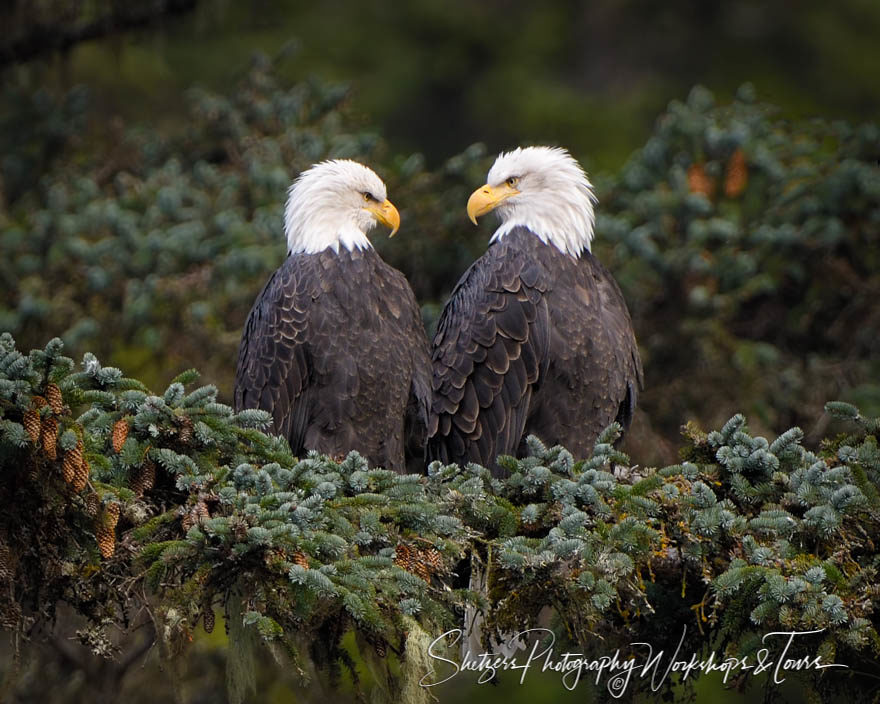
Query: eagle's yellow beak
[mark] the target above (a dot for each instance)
(387, 214)
(486, 198)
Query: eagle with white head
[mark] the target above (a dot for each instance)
(536, 337)
(334, 347)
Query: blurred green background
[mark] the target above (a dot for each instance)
(435, 77)
(146, 149)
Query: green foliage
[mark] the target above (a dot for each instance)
(302, 550)
(747, 245)
(36, 133)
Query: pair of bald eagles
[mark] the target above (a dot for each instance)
(535, 339)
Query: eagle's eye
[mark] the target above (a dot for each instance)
(512, 181)
(368, 197)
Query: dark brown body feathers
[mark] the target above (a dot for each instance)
(334, 349)
(532, 341)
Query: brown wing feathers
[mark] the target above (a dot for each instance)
(273, 362)
(488, 349)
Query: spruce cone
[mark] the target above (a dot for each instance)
(402, 556)
(379, 644)
(72, 462)
(208, 618)
(737, 175)
(421, 569)
(112, 511)
(48, 437)
(299, 558)
(699, 181)
(106, 530)
(81, 478)
(149, 474)
(106, 541)
(120, 433)
(434, 559)
(186, 430)
(93, 504)
(201, 510)
(143, 478)
(31, 422)
(56, 402)
(421, 562)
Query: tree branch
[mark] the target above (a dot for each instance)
(45, 38)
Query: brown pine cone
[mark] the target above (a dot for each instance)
(699, 181)
(56, 402)
(81, 478)
(421, 569)
(72, 462)
(208, 618)
(196, 515)
(112, 511)
(106, 541)
(143, 478)
(31, 422)
(412, 560)
(93, 504)
(201, 510)
(402, 556)
(299, 558)
(49, 437)
(737, 174)
(105, 532)
(120, 433)
(188, 521)
(434, 559)
(185, 433)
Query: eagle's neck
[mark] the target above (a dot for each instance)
(564, 223)
(318, 236)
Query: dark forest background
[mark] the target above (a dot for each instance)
(146, 149)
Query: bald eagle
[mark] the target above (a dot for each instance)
(334, 347)
(536, 337)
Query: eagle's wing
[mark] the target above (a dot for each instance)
(489, 350)
(419, 403)
(418, 361)
(622, 360)
(274, 364)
